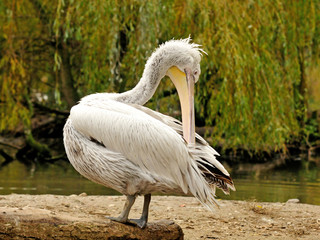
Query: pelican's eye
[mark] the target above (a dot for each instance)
(195, 72)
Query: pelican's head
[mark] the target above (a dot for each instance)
(184, 70)
(183, 55)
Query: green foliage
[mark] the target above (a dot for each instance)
(255, 71)
(254, 79)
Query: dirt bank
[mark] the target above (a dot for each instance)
(234, 220)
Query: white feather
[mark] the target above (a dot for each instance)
(160, 150)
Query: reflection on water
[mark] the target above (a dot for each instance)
(301, 180)
(59, 178)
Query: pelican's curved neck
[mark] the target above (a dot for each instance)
(155, 70)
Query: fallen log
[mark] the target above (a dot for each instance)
(36, 223)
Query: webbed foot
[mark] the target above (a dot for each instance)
(118, 219)
(141, 223)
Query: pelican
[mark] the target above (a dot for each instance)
(113, 140)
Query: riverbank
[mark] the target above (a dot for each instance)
(234, 219)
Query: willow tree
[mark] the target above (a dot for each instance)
(252, 90)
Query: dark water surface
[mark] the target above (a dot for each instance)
(301, 180)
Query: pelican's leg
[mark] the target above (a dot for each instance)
(142, 222)
(123, 218)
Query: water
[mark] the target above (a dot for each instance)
(301, 180)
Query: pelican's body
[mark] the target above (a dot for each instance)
(112, 140)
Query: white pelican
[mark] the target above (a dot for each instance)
(114, 141)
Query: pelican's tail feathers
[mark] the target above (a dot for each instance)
(213, 171)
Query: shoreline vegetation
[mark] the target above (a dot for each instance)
(46, 145)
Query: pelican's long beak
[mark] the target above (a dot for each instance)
(184, 83)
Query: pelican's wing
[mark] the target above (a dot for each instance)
(149, 143)
(202, 152)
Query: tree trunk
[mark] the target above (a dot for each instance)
(302, 99)
(68, 89)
